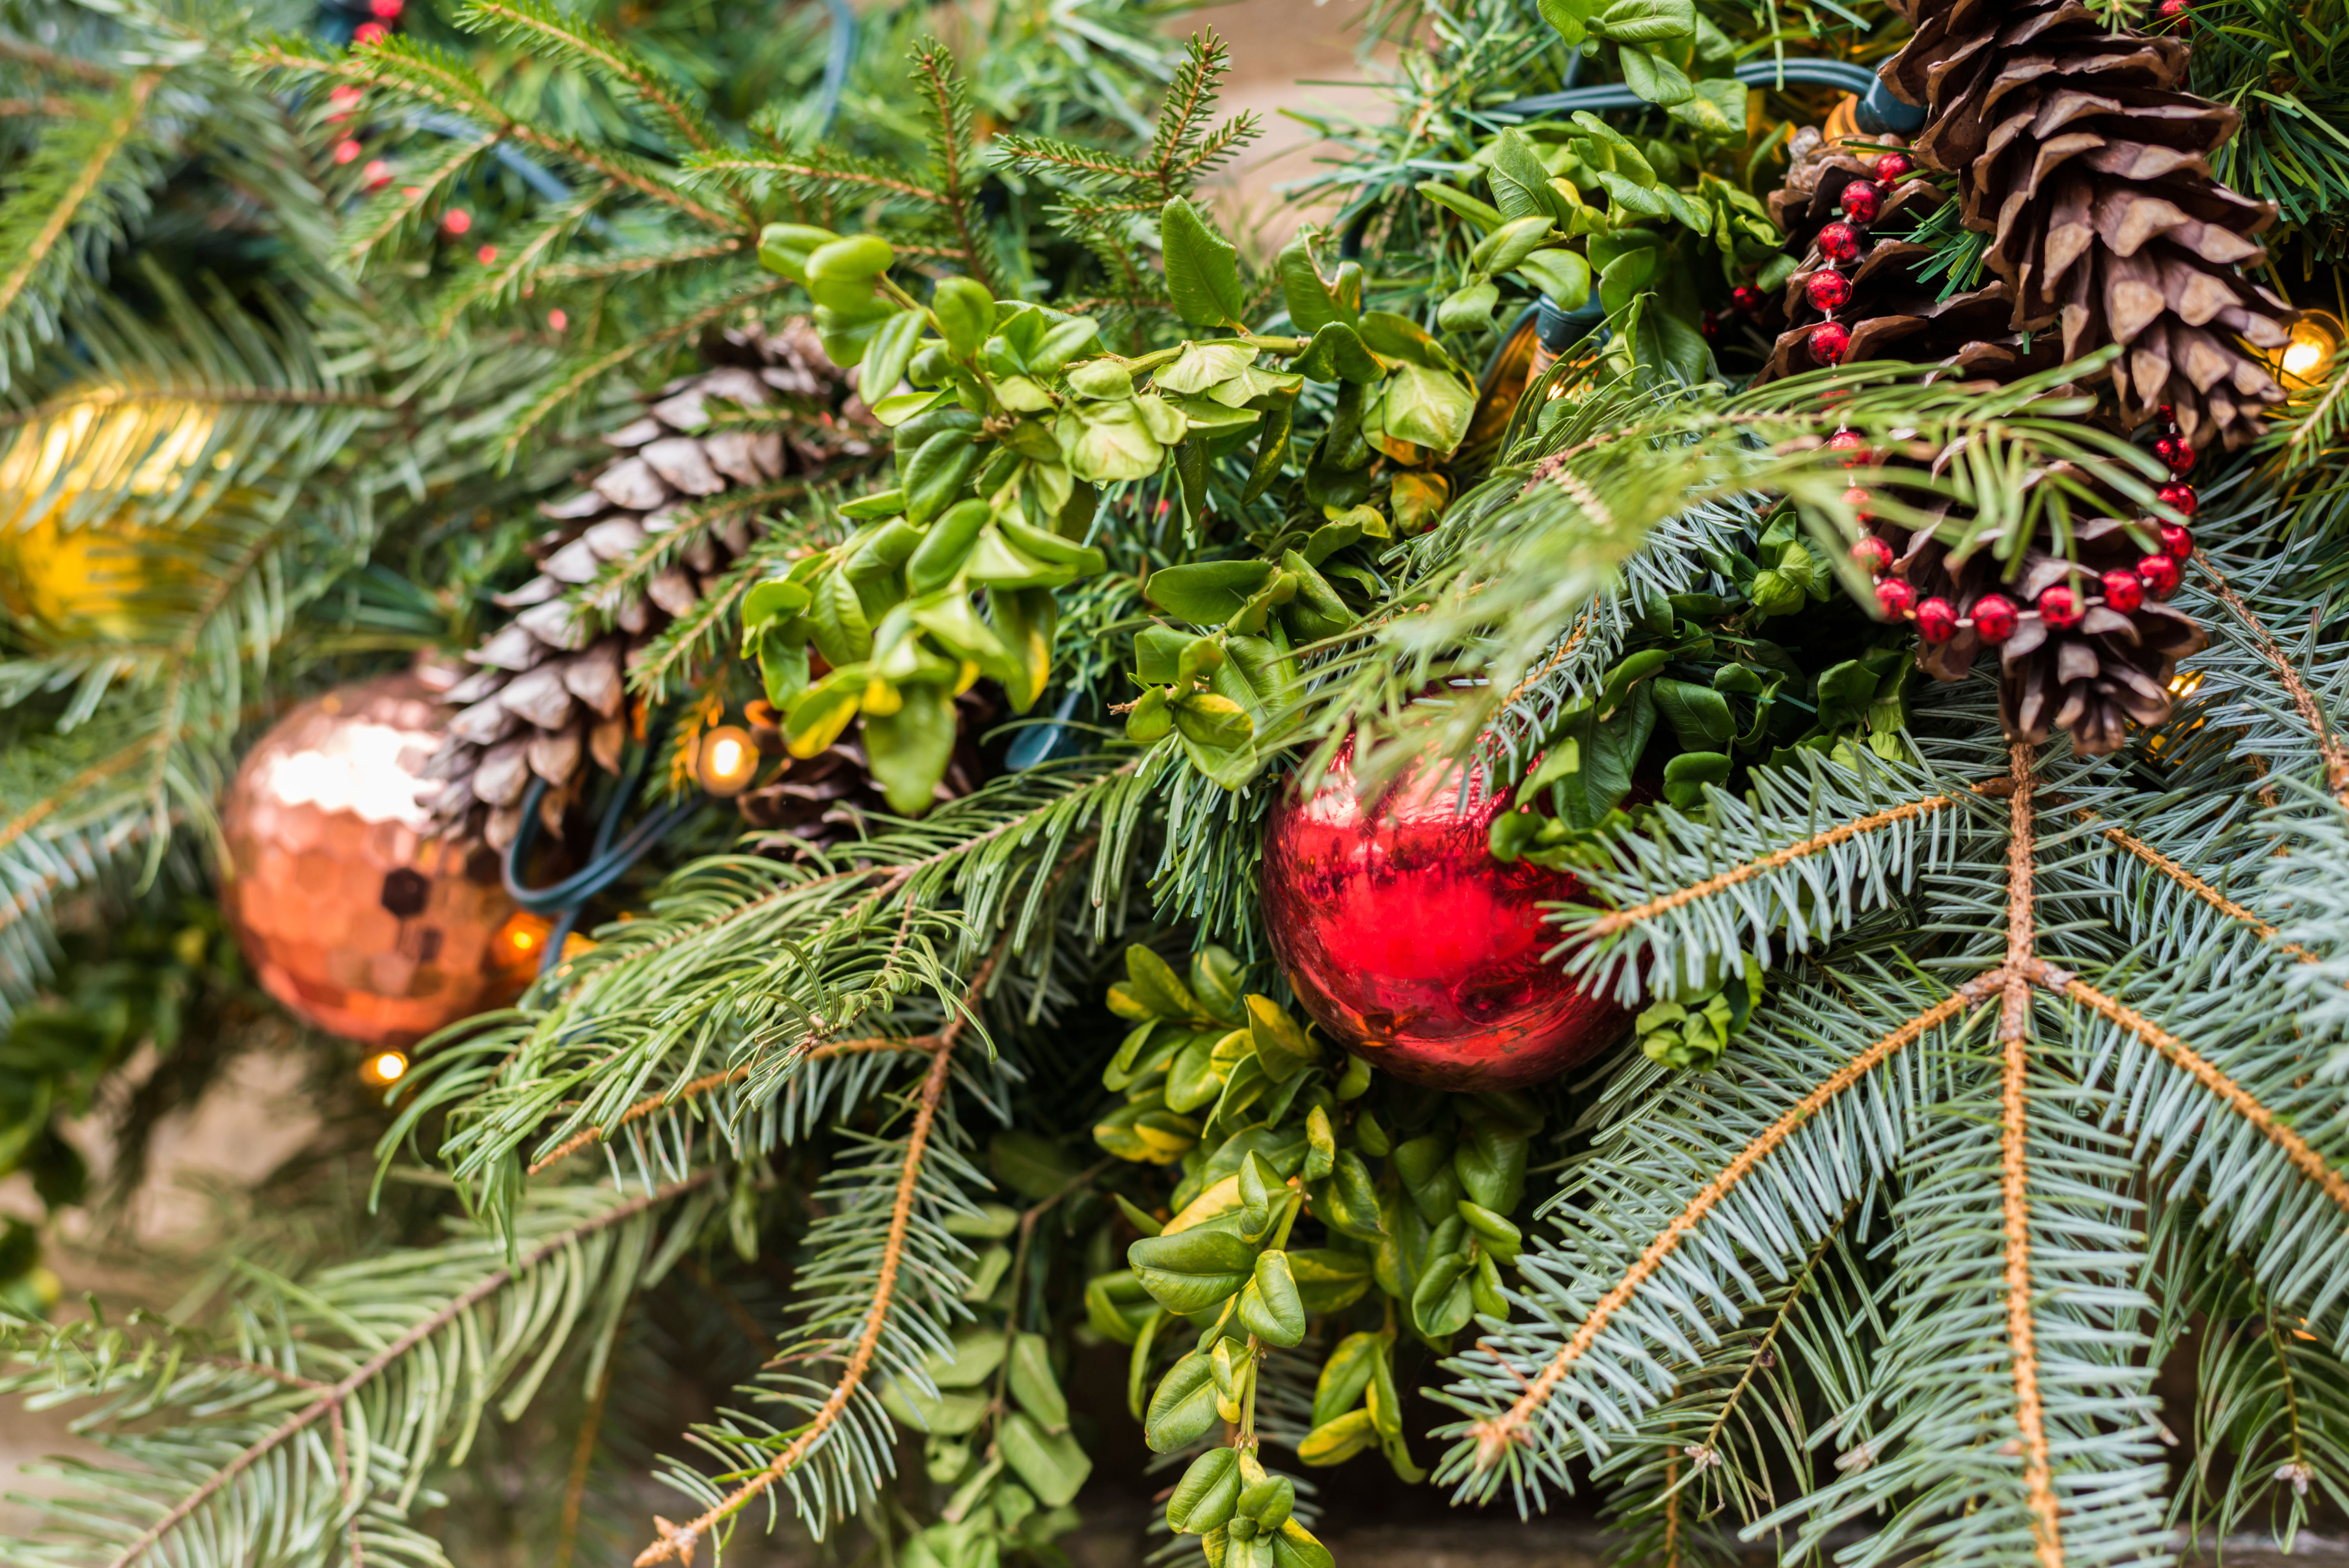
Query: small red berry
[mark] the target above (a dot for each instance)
(1872, 552)
(2180, 12)
(2175, 451)
(347, 151)
(1745, 298)
(456, 221)
(385, 10)
(1827, 290)
(2167, 413)
(1995, 617)
(486, 255)
(1895, 596)
(1861, 201)
(557, 320)
(1840, 242)
(2160, 575)
(2060, 607)
(1862, 504)
(2176, 542)
(376, 174)
(1891, 166)
(2179, 497)
(1853, 446)
(1937, 621)
(1710, 324)
(1829, 342)
(2123, 589)
(368, 32)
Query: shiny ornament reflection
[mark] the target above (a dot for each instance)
(1407, 942)
(351, 913)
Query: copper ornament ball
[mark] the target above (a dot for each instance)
(351, 913)
(1409, 944)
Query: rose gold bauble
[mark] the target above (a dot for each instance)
(1412, 946)
(347, 911)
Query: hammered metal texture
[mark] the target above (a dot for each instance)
(1409, 943)
(347, 911)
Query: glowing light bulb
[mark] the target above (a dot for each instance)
(2316, 339)
(728, 760)
(383, 1069)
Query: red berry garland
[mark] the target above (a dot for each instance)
(2124, 590)
(1828, 290)
(1840, 242)
(1995, 617)
(2179, 497)
(1829, 342)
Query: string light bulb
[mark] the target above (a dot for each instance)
(520, 942)
(727, 761)
(2316, 338)
(383, 1068)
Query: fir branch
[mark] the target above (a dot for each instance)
(947, 106)
(679, 1541)
(1492, 1437)
(535, 25)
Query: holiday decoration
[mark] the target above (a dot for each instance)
(1411, 945)
(640, 544)
(352, 910)
(2076, 150)
(70, 485)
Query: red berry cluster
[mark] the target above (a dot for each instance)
(1995, 616)
(1843, 242)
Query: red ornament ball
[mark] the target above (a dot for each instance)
(2179, 498)
(1937, 620)
(1853, 446)
(1746, 298)
(2180, 12)
(1995, 617)
(2176, 541)
(2177, 452)
(1829, 342)
(1895, 597)
(2060, 607)
(1409, 943)
(1861, 201)
(349, 912)
(1862, 504)
(2124, 590)
(1891, 166)
(1840, 242)
(1827, 290)
(1873, 553)
(1710, 324)
(2160, 575)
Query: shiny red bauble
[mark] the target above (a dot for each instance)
(2176, 541)
(1853, 446)
(1893, 166)
(1895, 597)
(1746, 298)
(2060, 607)
(2176, 451)
(2124, 590)
(1995, 617)
(1872, 552)
(1412, 946)
(2178, 497)
(1827, 290)
(1937, 620)
(1829, 342)
(1861, 201)
(2160, 575)
(2178, 11)
(1840, 242)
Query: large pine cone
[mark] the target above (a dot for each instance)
(2075, 151)
(550, 693)
(1893, 314)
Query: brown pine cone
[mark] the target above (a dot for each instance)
(550, 691)
(2088, 678)
(2077, 153)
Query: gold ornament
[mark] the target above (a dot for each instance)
(350, 911)
(71, 486)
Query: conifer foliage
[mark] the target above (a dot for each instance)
(1971, 1184)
